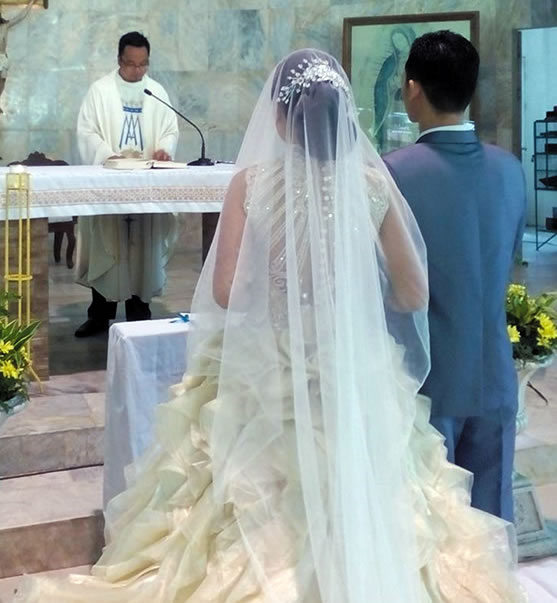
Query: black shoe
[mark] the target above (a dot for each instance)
(137, 309)
(92, 326)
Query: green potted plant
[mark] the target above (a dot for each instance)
(532, 329)
(14, 358)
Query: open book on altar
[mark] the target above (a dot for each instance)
(133, 163)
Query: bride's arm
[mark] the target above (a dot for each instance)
(231, 229)
(400, 243)
(408, 276)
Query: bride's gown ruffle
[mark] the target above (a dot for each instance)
(171, 543)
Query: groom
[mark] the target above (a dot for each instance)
(469, 202)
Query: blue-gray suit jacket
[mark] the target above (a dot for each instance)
(469, 201)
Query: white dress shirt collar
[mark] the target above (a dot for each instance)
(465, 127)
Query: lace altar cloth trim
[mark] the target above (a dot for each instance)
(92, 190)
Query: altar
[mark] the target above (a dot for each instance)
(65, 191)
(69, 190)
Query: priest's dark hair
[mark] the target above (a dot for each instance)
(133, 38)
(446, 65)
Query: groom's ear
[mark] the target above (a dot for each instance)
(412, 93)
(413, 90)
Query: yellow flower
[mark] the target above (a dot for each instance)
(5, 347)
(543, 343)
(547, 329)
(514, 334)
(516, 290)
(8, 370)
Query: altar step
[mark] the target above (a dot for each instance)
(50, 521)
(54, 432)
(51, 456)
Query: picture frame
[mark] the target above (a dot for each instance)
(374, 53)
(42, 3)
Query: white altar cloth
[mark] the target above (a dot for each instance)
(144, 359)
(84, 190)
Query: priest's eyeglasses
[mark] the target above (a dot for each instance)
(132, 65)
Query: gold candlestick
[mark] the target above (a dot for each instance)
(17, 270)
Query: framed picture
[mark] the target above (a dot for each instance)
(43, 3)
(374, 52)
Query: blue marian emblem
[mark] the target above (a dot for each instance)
(131, 130)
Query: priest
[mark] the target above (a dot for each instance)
(123, 258)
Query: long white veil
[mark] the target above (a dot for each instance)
(314, 299)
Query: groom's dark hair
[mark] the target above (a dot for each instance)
(446, 65)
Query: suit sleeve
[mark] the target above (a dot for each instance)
(522, 222)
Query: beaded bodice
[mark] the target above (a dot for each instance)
(266, 206)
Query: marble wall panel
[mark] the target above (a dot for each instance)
(42, 99)
(543, 12)
(237, 40)
(44, 29)
(103, 31)
(312, 28)
(72, 39)
(128, 21)
(193, 36)
(282, 23)
(14, 145)
(200, 48)
(72, 85)
(412, 7)
(164, 28)
(188, 90)
(237, 4)
(16, 112)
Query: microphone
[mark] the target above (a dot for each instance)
(202, 160)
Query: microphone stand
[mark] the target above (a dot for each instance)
(202, 160)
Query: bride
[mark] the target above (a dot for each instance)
(295, 461)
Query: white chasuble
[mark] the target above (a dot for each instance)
(121, 255)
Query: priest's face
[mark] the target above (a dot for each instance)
(133, 63)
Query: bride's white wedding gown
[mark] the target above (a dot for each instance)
(170, 542)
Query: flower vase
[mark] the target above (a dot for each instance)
(524, 371)
(11, 407)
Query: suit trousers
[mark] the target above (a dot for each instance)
(484, 446)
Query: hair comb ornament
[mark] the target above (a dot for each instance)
(309, 71)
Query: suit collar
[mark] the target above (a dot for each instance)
(449, 137)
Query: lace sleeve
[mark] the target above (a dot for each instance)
(378, 195)
(250, 175)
